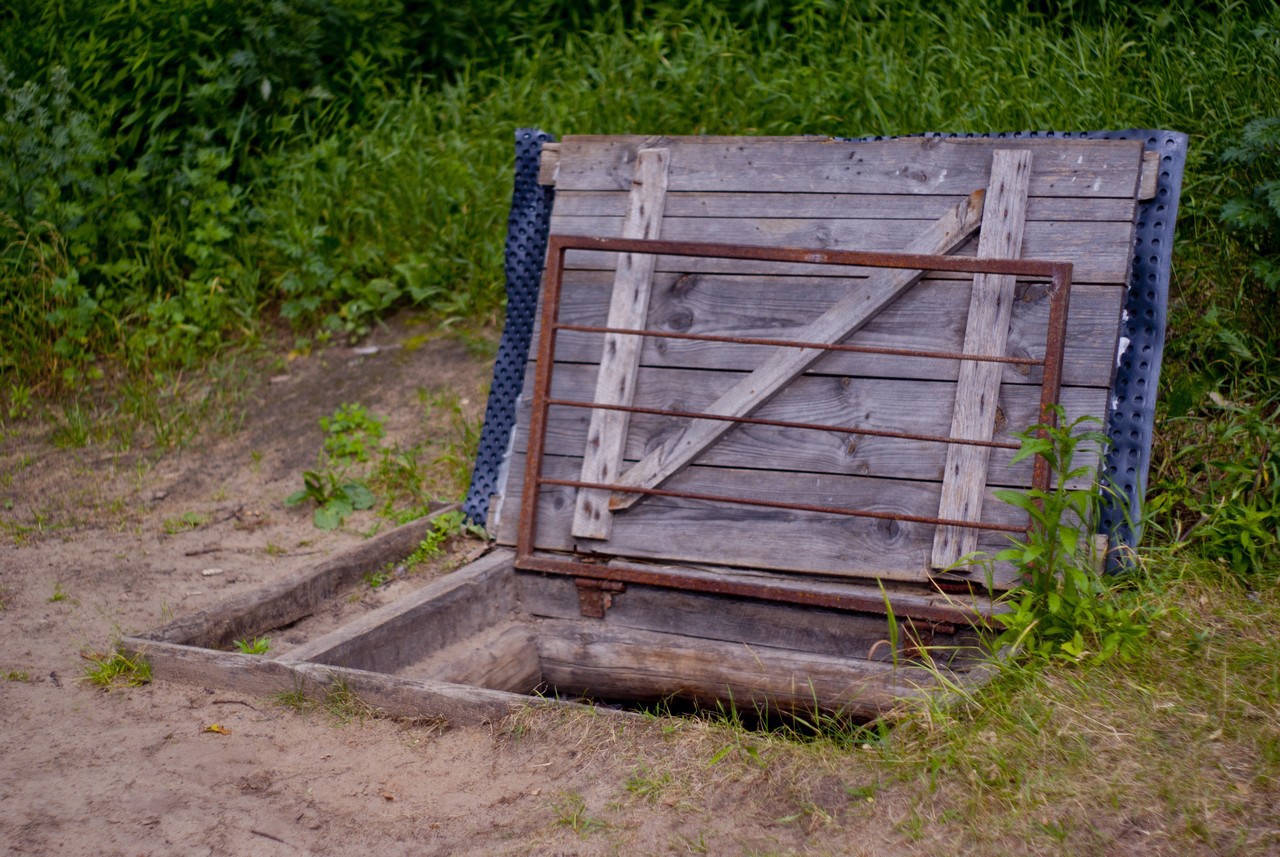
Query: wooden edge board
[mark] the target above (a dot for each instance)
(1150, 176)
(614, 662)
(390, 696)
(549, 164)
(1066, 167)
(285, 601)
(475, 590)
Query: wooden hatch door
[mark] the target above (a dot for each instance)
(862, 447)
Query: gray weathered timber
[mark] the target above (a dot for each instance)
(502, 657)
(986, 333)
(914, 407)
(699, 615)
(391, 696)
(847, 315)
(696, 531)
(1099, 252)
(408, 629)
(623, 663)
(1150, 175)
(628, 308)
(286, 601)
(834, 206)
(1085, 168)
(928, 317)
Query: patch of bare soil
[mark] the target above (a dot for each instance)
(99, 543)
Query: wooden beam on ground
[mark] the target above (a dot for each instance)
(616, 381)
(293, 598)
(987, 333)
(846, 316)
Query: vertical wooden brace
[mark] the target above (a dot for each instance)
(628, 308)
(986, 333)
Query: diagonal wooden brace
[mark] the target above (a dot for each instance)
(986, 333)
(848, 315)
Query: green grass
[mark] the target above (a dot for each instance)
(116, 669)
(184, 522)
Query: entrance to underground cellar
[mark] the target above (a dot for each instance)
(744, 467)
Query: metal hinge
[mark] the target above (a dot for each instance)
(596, 596)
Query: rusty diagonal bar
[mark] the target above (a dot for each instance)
(1059, 273)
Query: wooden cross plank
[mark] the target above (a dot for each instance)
(986, 333)
(628, 308)
(844, 318)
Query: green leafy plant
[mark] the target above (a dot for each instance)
(444, 527)
(351, 436)
(1257, 217)
(335, 496)
(254, 646)
(59, 594)
(117, 668)
(1065, 607)
(351, 433)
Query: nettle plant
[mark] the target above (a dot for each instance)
(352, 434)
(1066, 608)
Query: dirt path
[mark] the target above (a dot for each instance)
(98, 543)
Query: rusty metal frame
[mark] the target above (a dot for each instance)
(1058, 274)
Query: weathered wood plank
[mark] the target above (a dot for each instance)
(915, 407)
(986, 333)
(833, 206)
(930, 316)
(605, 662)
(699, 615)
(503, 657)
(1150, 175)
(696, 531)
(1086, 168)
(628, 308)
(408, 629)
(549, 164)
(392, 696)
(1099, 252)
(842, 319)
(286, 601)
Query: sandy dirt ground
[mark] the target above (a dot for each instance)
(89, 554)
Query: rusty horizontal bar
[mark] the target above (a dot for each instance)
(761, 421)
(862, 258)
(782, 504)
(946, 615)
(794, 343)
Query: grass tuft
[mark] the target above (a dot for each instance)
(116, 669)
